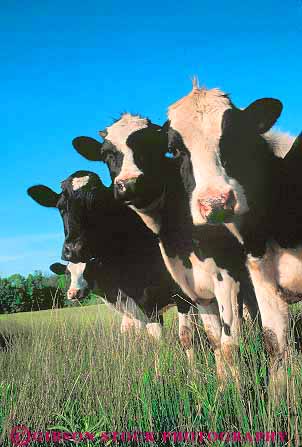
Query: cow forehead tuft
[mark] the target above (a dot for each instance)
(198, 116)
(199, 101)
(79, 182)
(119, 132)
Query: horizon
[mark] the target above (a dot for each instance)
(70, 68)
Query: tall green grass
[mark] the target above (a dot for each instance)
(70, 369)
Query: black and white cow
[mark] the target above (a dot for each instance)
(78, 287)
(210, 266)
(89, 277)
(234, 172)
(127, 253)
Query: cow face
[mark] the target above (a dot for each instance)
(76, 204)
(133, 149)
(215, 142)
(78, 289)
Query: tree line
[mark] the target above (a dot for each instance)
(34, 292)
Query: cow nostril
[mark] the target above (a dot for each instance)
(121, 186)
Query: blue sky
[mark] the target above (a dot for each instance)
(68, 68)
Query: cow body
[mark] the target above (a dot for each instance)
(127, 257)
(152, 186)
(227, 152)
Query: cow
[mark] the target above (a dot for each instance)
(207, 264)
(96, 226)
(78, 288)
(239, 172)
(87, 277)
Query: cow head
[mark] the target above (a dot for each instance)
(221, 150)
(78, 289)
(133, 148)
(82, 193)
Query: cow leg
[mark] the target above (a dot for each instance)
(209, 314)
(126, 324)
(274, 316)
(226, 292)
(151, 296)
(129, 323)
(133, 317)
(247, 298)
(154, 330)
(230, 339)
(185, 327)
(246, 314)
(185, 333)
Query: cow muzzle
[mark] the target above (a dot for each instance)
(126, 190)
(218, 209)
(77, 294)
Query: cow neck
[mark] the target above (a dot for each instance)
(175, 229)
(262, 221)
(125, 234)
(156, 205)
(176, 236)
(151, 215)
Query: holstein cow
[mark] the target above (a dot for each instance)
(96, 226)
(233, 172)
(78, 288)
(87, 277)
(208, 267)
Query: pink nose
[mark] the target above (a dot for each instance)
(72, 293)
(223, 203)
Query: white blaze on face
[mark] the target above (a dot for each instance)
(118, 134)
(79, 182)
(77, 279)
(198, 119)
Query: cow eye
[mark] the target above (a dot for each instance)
(173, 153)
(109, 157)
(168, 154)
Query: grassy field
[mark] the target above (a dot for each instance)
(71, 370)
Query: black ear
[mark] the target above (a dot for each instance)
(263, 113)
(58, 268)
(88, 147)
(165, 127)
(43, 195)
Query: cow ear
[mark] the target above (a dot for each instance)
(165, 127)
(58, 268)
(88, 147)
(43, 195)
(263, 113)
